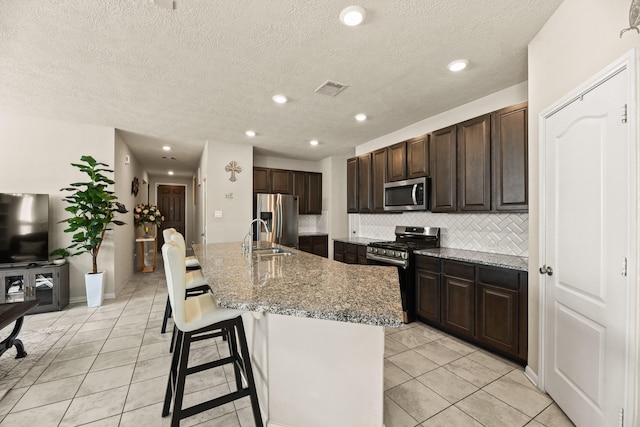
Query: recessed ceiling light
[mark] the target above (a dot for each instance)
(166, 148)
(280, 99)
(313, 142)
(458, 65)
(250, 133)
(170, 172)
(352, 15)
(361, 117)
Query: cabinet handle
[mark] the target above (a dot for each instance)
(546, 270)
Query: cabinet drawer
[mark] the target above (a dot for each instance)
(351, 248)
(428, 263)
(459, 269)
(501, 277)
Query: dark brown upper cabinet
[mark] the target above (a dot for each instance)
(510, 159)
(352, 185)
(261, 180)
(418, 157)
(281, 181)
(397, 162)
(313, 193)
(443, 162)
(378, 179)
(308, 187)
(365, 204)
(474, 164)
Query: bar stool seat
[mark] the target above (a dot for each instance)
(196, 283)
(196, 319)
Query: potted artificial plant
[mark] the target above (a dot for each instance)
(93, 208)
(60, 255)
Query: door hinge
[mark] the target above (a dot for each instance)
(621, 417)
(624, 113)
(624, 266)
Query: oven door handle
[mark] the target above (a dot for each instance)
(413, 194)
(398, 262)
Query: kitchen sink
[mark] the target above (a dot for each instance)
(272, 251)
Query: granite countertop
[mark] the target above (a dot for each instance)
(485, 258)
(301, 284)
(312, 233)
(356, 240)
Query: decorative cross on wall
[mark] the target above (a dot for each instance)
(234, 168)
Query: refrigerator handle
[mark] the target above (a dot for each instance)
(279, 234)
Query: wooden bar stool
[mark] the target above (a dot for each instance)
(196, 319)
(196, 282)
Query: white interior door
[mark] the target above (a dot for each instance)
(586, 240)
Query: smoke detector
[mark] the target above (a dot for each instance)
(331, 88)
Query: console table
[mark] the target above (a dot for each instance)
(148, 245)
(14, 312)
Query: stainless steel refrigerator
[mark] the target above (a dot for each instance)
(280, 212)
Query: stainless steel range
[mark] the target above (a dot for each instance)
(400, 253)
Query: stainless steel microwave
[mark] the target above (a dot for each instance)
(408, 195)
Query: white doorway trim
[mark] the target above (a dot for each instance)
(629, 62)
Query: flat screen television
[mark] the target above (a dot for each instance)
(24, 228)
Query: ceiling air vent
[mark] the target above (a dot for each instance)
(331, 88)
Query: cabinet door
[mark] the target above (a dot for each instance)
(338, 251)
(298, 190)
(352, 185)
(418, 157)
(305, 244)
(281, 181)
(510, 159)
(313, 193)
(474, 164)
(15, 286)
(364, 184)
(350, 253)
(362, 255)
(428, 295)
(44, 286)
(261, 182)
(442, 153)
(379, 177)
(458, 305)
(397, 162)
(497, 317)
(320, 246)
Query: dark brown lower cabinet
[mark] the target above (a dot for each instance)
(501, 310)
(338, 251)
(484, 305)
(457, 305)
(317, 245)
(349, 253)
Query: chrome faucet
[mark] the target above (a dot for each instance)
(250, 234)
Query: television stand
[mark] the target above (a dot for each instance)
(49, 284)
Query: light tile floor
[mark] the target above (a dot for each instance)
(110, 369)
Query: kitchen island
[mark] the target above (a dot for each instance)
(315, 332)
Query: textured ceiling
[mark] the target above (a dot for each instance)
(207, 70)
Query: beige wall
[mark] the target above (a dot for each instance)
(237, 208)
(280, 163)
(579, 40)
(334, 197)
(124, 236)
(35, 157)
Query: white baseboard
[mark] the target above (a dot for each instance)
(531, 376)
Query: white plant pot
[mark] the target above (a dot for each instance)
(59, 261)
(94, 284)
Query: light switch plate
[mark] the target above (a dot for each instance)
(217, 214)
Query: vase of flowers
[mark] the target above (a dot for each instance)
(147, 218)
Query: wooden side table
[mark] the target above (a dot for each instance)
(144, 241)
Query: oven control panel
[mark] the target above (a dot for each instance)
(388, 252)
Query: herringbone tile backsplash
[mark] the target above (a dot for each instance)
(496, 233)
